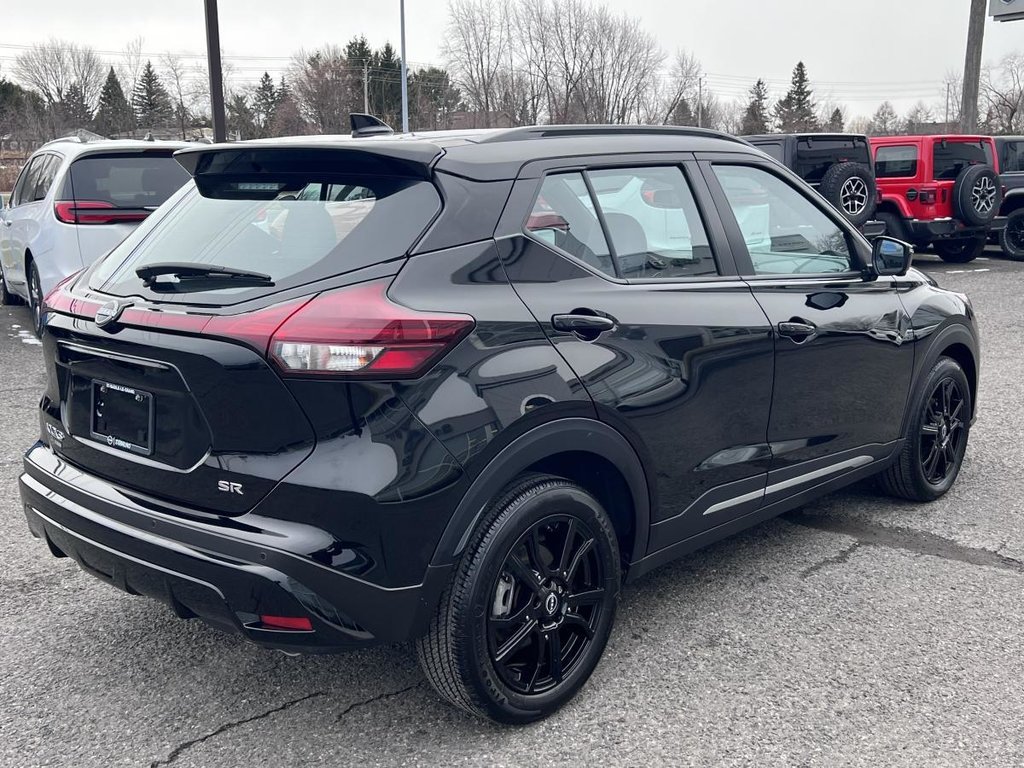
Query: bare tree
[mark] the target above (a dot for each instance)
(52, 68)
(919, 119)
(321, 84)
(885, 121)
(1003, 95)
(476, 50)
(178, 77)
(681, 84)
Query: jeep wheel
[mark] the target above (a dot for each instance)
(850, 187)
(935, 437)
(977, 195)
(525, 618)
(894, 225)
(960, 251)
(1012, 238)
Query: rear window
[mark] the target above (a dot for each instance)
(126, 181)
(951, 157)
(815, 156)
(295, 230)
(896, 162)
(1012, 160)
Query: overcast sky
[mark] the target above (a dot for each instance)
(857, 53)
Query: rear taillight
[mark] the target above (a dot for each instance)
(94, 212)
(928, 196)
(358, 331)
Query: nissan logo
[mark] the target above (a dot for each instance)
(109, 313)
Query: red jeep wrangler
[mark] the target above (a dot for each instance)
(942, 192)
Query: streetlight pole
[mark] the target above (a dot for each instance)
(405, 74)
(220, 132)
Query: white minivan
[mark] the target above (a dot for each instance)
(72, 203)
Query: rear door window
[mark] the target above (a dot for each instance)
(951, 157)
(25, 187)
(563, 216)
(44, 177)
(285, 228)
(1013, 157)
(126, 180)
(896, 162)
(815, 156)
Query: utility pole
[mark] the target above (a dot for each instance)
(700, 101)
(220, 128)
(948, 88)
(366, 86)
(405, 74)
(972, 66)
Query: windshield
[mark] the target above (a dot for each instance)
(294, 231)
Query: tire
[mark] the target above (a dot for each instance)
(7, 296)
(1011, 239)
(977, 195)
(35, 298)
(960, 251)
(895, 225)
(909, 476)
(494, 597)
(851, 188)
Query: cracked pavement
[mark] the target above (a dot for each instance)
(858, 630)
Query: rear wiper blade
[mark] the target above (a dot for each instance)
(185, 271)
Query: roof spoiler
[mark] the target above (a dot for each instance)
(368, 125)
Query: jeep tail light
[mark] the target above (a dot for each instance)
(358, 331)
(95, 212)
(928, 196)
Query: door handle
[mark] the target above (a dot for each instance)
(797, 329)
(6, 222)
(588, 326)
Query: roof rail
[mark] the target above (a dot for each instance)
(556, 131)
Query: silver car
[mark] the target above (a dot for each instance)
(73, 202)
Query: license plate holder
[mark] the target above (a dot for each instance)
(122, 417)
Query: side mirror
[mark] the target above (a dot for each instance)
(890, 257)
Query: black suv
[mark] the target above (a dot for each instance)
(1011, 170)
(837, 165)
(458, 388)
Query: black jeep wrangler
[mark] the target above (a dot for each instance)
(837, 165)
(1011, 170)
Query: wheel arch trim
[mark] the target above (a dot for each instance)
(574, 435)
(952, 335)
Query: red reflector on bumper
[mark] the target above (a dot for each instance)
(295, 623)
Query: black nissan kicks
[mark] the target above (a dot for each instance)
(458, 388)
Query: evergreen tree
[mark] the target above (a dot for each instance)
(264, 104)
(836, 122)
(683, 114)
(386, 85)
(74, 112)
(432, 99)
(240, 117)
(150, 100)
(114, 114)
(359, 57)
(795, 111)
(756, 118)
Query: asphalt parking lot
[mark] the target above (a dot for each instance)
(856, 631)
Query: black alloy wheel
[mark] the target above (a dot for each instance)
(1012, 238)
(942, 431)
(35, 298)
(935, 436)
(529, 609)
(547, 605)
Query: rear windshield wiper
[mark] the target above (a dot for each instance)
(204, 273)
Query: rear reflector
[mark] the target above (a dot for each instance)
(293, 623)
(95, 212)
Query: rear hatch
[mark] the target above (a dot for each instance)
(816, 154)
(107, 194)
(222, 304)
(949, 159)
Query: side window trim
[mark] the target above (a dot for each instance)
(722, 253)
(738, 244)
(18, 196)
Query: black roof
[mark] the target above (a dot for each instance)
(776, 136)
(486, 155)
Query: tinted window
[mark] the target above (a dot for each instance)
(815, 156)
(26, 184)
(44, 177)
(263, 226)
(653, 222)
(775, 150)
(127, 181)
(896, 162)
(784, 232)
(563, 216)
(951, 157)
(1013, 157)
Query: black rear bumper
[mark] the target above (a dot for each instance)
(201, 570)
(951, 229)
